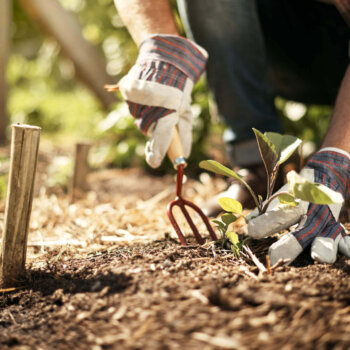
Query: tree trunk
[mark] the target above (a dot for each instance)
(64, 27)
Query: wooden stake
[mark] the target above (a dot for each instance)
(81, 170)
(24, 154)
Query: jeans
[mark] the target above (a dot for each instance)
(260, 49)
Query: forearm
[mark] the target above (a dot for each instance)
(144, 18)
(338, 134)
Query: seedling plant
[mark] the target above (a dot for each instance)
(275, 149)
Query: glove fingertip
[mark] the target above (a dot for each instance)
(153, 162)
(187, 151)
(287, 248)
(153, 158)
(257, 230)
(344, 246)
(158, 145)
(325, 249)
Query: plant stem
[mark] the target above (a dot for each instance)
(253, 195)
(269, 200)
(301, 161)
(271, 181)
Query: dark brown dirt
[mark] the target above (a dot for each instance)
(163, 296)
(159, 295)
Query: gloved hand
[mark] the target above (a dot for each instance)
(158, 90)
(317, 224)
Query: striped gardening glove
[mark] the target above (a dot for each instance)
(317, 224)
(158, 91)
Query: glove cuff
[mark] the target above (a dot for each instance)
(179, 52)
(335, 150)
(332, 168)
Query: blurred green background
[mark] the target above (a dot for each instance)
(44, 91)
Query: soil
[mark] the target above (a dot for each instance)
(107, 272)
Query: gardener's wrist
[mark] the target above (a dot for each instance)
(144, 18)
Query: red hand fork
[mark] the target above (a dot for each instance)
(175, 153)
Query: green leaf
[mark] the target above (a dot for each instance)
(228, 218)
(233, 237)
(285, 198)
(219, 224)
(312, 192)
(284, 145)
(267, 151)
(231, 205)
(218, 168)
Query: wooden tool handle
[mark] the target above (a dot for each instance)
(175, 151)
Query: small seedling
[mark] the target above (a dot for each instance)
(234, 212)
(274, 149)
